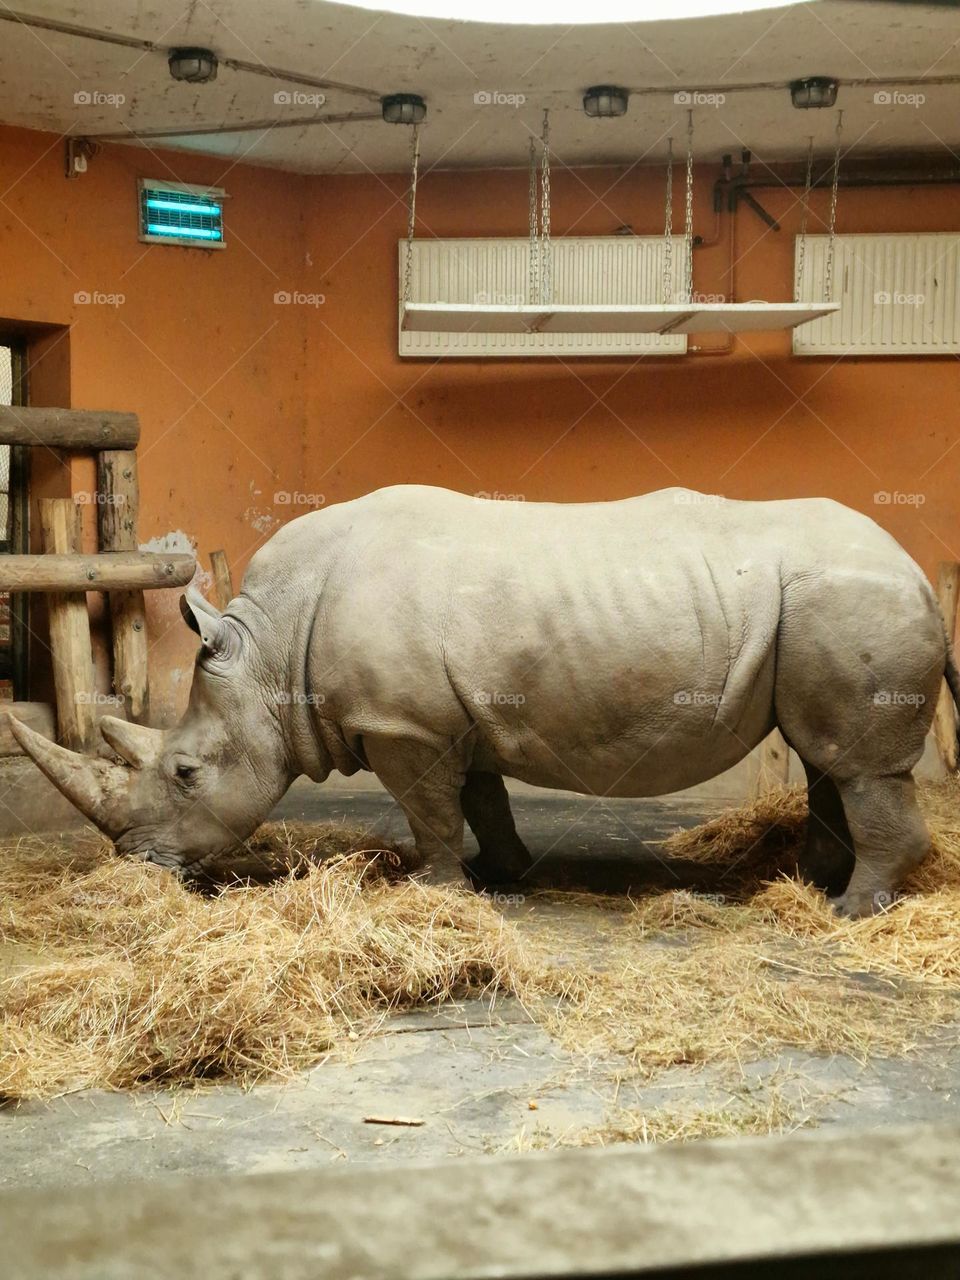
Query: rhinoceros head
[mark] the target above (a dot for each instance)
(183, 796)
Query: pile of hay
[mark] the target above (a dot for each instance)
(761, 962)
(117, 974)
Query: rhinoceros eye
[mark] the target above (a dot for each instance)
(186, 773)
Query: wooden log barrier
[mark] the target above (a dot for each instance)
(118, 508)
(945, 716)
(108, 571)
(68, 428)
(222, 579)
(70, 646)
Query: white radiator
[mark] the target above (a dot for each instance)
(586, 269)
(899, 295)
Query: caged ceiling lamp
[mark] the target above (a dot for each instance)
(403, 108)
(813, 91)
(605, 101)
(195, 66)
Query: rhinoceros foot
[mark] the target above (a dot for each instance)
(487, 872)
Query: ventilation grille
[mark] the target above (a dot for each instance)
(899, 295)
(172, 213)
(610, 270)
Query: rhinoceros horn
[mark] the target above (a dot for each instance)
(98, 788)
(134, 743)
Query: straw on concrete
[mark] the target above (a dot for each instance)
(765, 964)
(118, 975)
(124, 976)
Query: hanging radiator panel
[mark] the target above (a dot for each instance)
(899, 295)
(607, 270)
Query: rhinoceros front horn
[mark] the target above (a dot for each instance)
(98, 788)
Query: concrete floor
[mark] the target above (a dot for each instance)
(481, 1079)
(603, 845)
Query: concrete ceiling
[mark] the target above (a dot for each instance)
(879, 46)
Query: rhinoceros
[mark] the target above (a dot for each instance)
(626, 648)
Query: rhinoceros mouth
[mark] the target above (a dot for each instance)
(137, 848)
(169, 862)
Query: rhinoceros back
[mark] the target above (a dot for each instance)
(618, 646)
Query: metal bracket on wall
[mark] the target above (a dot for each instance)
(759, 210)
(77, 154)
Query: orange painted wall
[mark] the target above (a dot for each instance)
(244, 401)
(198, 348)
(756, 423)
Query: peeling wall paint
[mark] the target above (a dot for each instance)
(260, 520)
(176, 542)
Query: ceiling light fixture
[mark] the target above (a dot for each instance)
(604, 101)
(195, 66)
(403, 108)
(813, 91)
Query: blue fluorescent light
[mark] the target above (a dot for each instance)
(185, 233)
(209, 210)
(178, 216)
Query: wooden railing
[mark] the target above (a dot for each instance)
(64, 573)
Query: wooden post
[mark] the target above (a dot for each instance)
(945, 716)
(774, 763)
(222, 579)
(118, 506)
(70, 645)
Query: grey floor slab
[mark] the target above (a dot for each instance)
(482, 1080)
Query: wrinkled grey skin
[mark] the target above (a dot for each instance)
(617, 648)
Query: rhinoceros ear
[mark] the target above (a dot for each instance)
(219, 638)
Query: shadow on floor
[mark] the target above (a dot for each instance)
(583, 843)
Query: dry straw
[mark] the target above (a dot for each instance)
(125, 976)
(116, 975)
(761, 962)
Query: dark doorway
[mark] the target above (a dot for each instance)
(14, 533)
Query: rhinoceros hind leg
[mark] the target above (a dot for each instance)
(503, 857)
(426, 785)
(827, 859)
(890, 838)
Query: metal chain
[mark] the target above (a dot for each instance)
(411, 211)
(688, 226)
(804, 215)
(668, 230)
(546, 255)
(533, 284)
(832, 243)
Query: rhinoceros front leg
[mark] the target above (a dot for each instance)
(426, 784)
(503, 857)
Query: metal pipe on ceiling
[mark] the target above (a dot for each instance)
(40, 23)
(879, 178)
(728, 191)
(862, 82)
(253, 126)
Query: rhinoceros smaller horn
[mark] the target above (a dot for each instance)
(135, 743)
